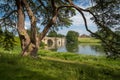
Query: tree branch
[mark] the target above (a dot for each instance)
(42, 4)
(8, 15)
(109, 47)
(33, 22)
(52, 21)
(64, 6)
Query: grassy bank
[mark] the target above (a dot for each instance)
(58, 66)
(88, 40)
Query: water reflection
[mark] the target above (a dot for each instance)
(91, 49)
(97, 48)
(86, 48)
(72, 47)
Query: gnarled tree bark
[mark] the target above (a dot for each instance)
(34, 46)
(23, 35)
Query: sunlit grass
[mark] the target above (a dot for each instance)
(58, 66)
(88, 40)
(89, 59)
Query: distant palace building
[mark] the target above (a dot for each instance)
(84, 36)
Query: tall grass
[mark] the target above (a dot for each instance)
(88, 59)
(56, 66)
(13, 67)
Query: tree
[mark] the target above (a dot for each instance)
(60, 35)
(54, 13)
(52, 34)
(108, 17)
(72, 37)
(50, 11)
(1, 35)
(117, 32)
(72, 40)
(104, 22)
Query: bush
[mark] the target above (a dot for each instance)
(72, 37)
(42, 45)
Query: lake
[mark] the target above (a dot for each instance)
(83, 48)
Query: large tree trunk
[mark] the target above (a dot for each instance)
(34, 46)
(24, 37)
(29, 45)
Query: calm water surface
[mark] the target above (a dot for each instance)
(84, 48)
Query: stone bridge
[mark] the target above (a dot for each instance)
(53, 42)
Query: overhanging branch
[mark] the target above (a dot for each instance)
(53, 20)
(109, 47)
(8, 15)
(42, 4)
(64, 7)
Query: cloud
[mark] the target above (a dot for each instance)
(79, 26)
(84, 3)
(78, 20)
(79, 29)
(27, 24)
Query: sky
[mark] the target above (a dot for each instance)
(78, 23)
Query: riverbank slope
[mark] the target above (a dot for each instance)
(58, 66)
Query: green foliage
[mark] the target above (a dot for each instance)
(46, 12)
(107, 12)
(9, 40)
(107, 19)
(60, 35)
(42, 10)
(72, 37)
(72, 40)
(42, 45)
(88, 59)
(1, 36)
(110, 42)
(89, 40)
(117, 32)
(58, 66)
(106, 16)
(53, 33)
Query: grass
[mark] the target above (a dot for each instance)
(58, 66)
(88, 40)
(89, 59)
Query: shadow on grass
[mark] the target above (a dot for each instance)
(20, 73)
(13, 67)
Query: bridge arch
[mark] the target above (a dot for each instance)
(54, 41)
(49, 42)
